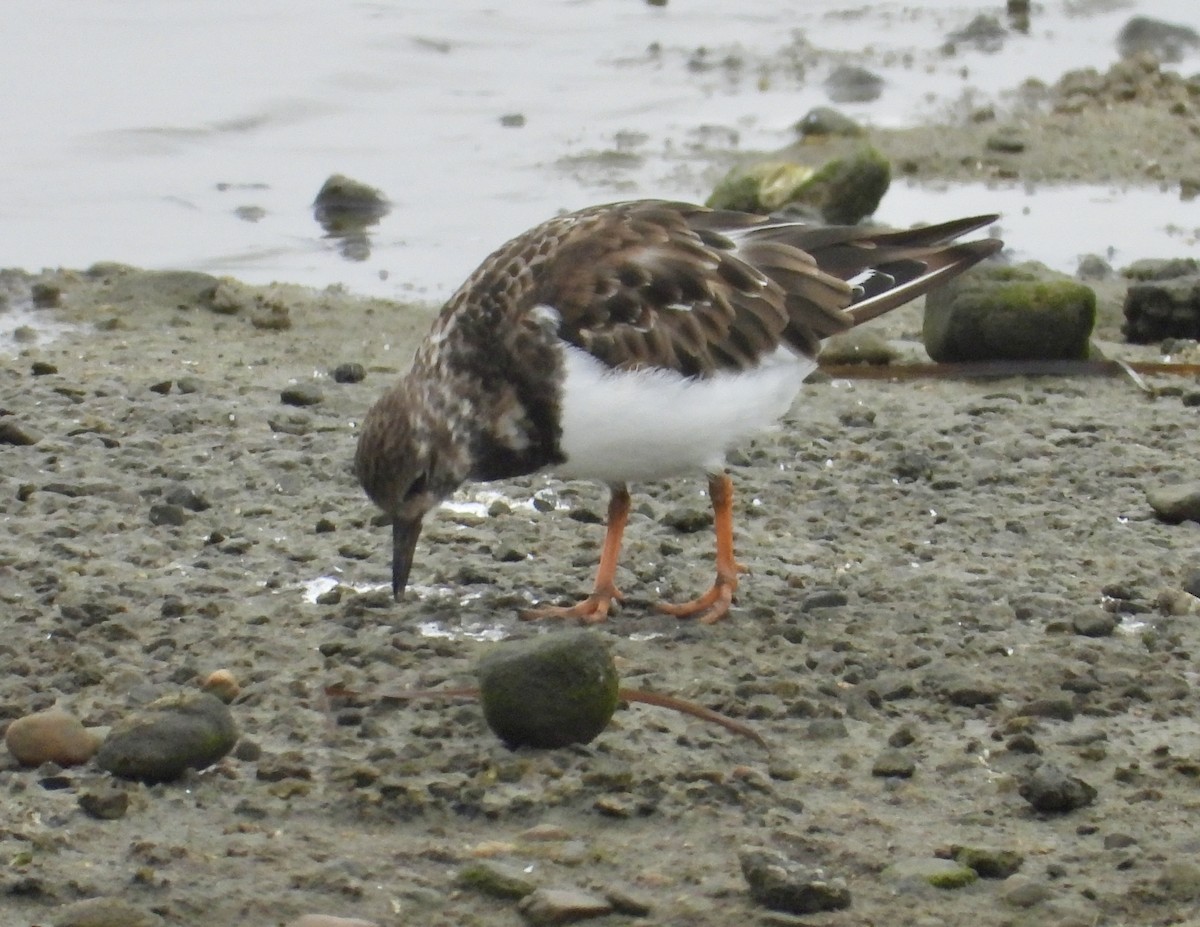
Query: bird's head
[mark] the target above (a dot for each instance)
(407, 465)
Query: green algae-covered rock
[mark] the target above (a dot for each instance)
(842, 190)
(1024, 312)
(550, 691)
(172, 734)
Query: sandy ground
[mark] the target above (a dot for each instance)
(960, 580)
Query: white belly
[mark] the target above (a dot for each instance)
(642, 425)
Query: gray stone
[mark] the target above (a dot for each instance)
(548, 906)
(1180, 502)
(301, 394)
(1162, 308)
(940, 873)
(169, 736)
(496, 879)
(1051, 791)
(104, 912)
(783, 884)
(894, 763)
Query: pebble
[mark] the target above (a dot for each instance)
(169, 736)
(783, 884)
(1180, 502)
(223, 684)
(988, 863)
(940, 873)
(18, 433)
(1096, 623)
(1051, 791)
(894, 763)
(104, 912)
(349, 373)
(548, 906)
(104, 802)
(301, 394)
(496, 879)
(51, 736)
(1024, 893)
(328, 920)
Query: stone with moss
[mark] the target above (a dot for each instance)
(1022, 312)
(841, 191)
(550, 691)
(172, 734)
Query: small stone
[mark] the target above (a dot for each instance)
(550, 691)
(858, 346)
(688, 519)
(45, 295)
(1051, 791)
(1181, 880)
(222, 684)
(850, 83)
(51, 736)
(1094, 623)
(18, 433)
(104, 912)
(42, 368)
(940, 873)
(786, 885)
(349, 373)
(894, 763)
(1177, 503)
(988, 863)
(549, 906)
(495, 879)
(328, 920)
(1060, 709)
(105, 802)
(162, 387)
(1024, 893)
(824, 598)
(825, 120)
(169, 736)
(301, 394)
(186, 497)
(626, 902)
(163, 513)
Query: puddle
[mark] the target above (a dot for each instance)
(23, 326)
(202, 132)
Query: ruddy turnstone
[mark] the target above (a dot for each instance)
(633, 341)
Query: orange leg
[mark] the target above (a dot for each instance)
(594, 608)
(714, 604)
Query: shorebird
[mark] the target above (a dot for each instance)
(631, 342)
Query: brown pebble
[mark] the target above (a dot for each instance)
(53, 736)
(328, 920)
(222, 684)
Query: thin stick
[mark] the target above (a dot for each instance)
(657, 699)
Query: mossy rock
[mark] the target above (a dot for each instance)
(550, 691)
(842, 191)
(1024, 312)
(164, 739)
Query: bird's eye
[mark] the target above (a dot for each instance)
(416, 487)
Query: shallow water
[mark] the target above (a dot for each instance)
(134, 132)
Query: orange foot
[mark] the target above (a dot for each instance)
(714, 604)
(592, 610)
